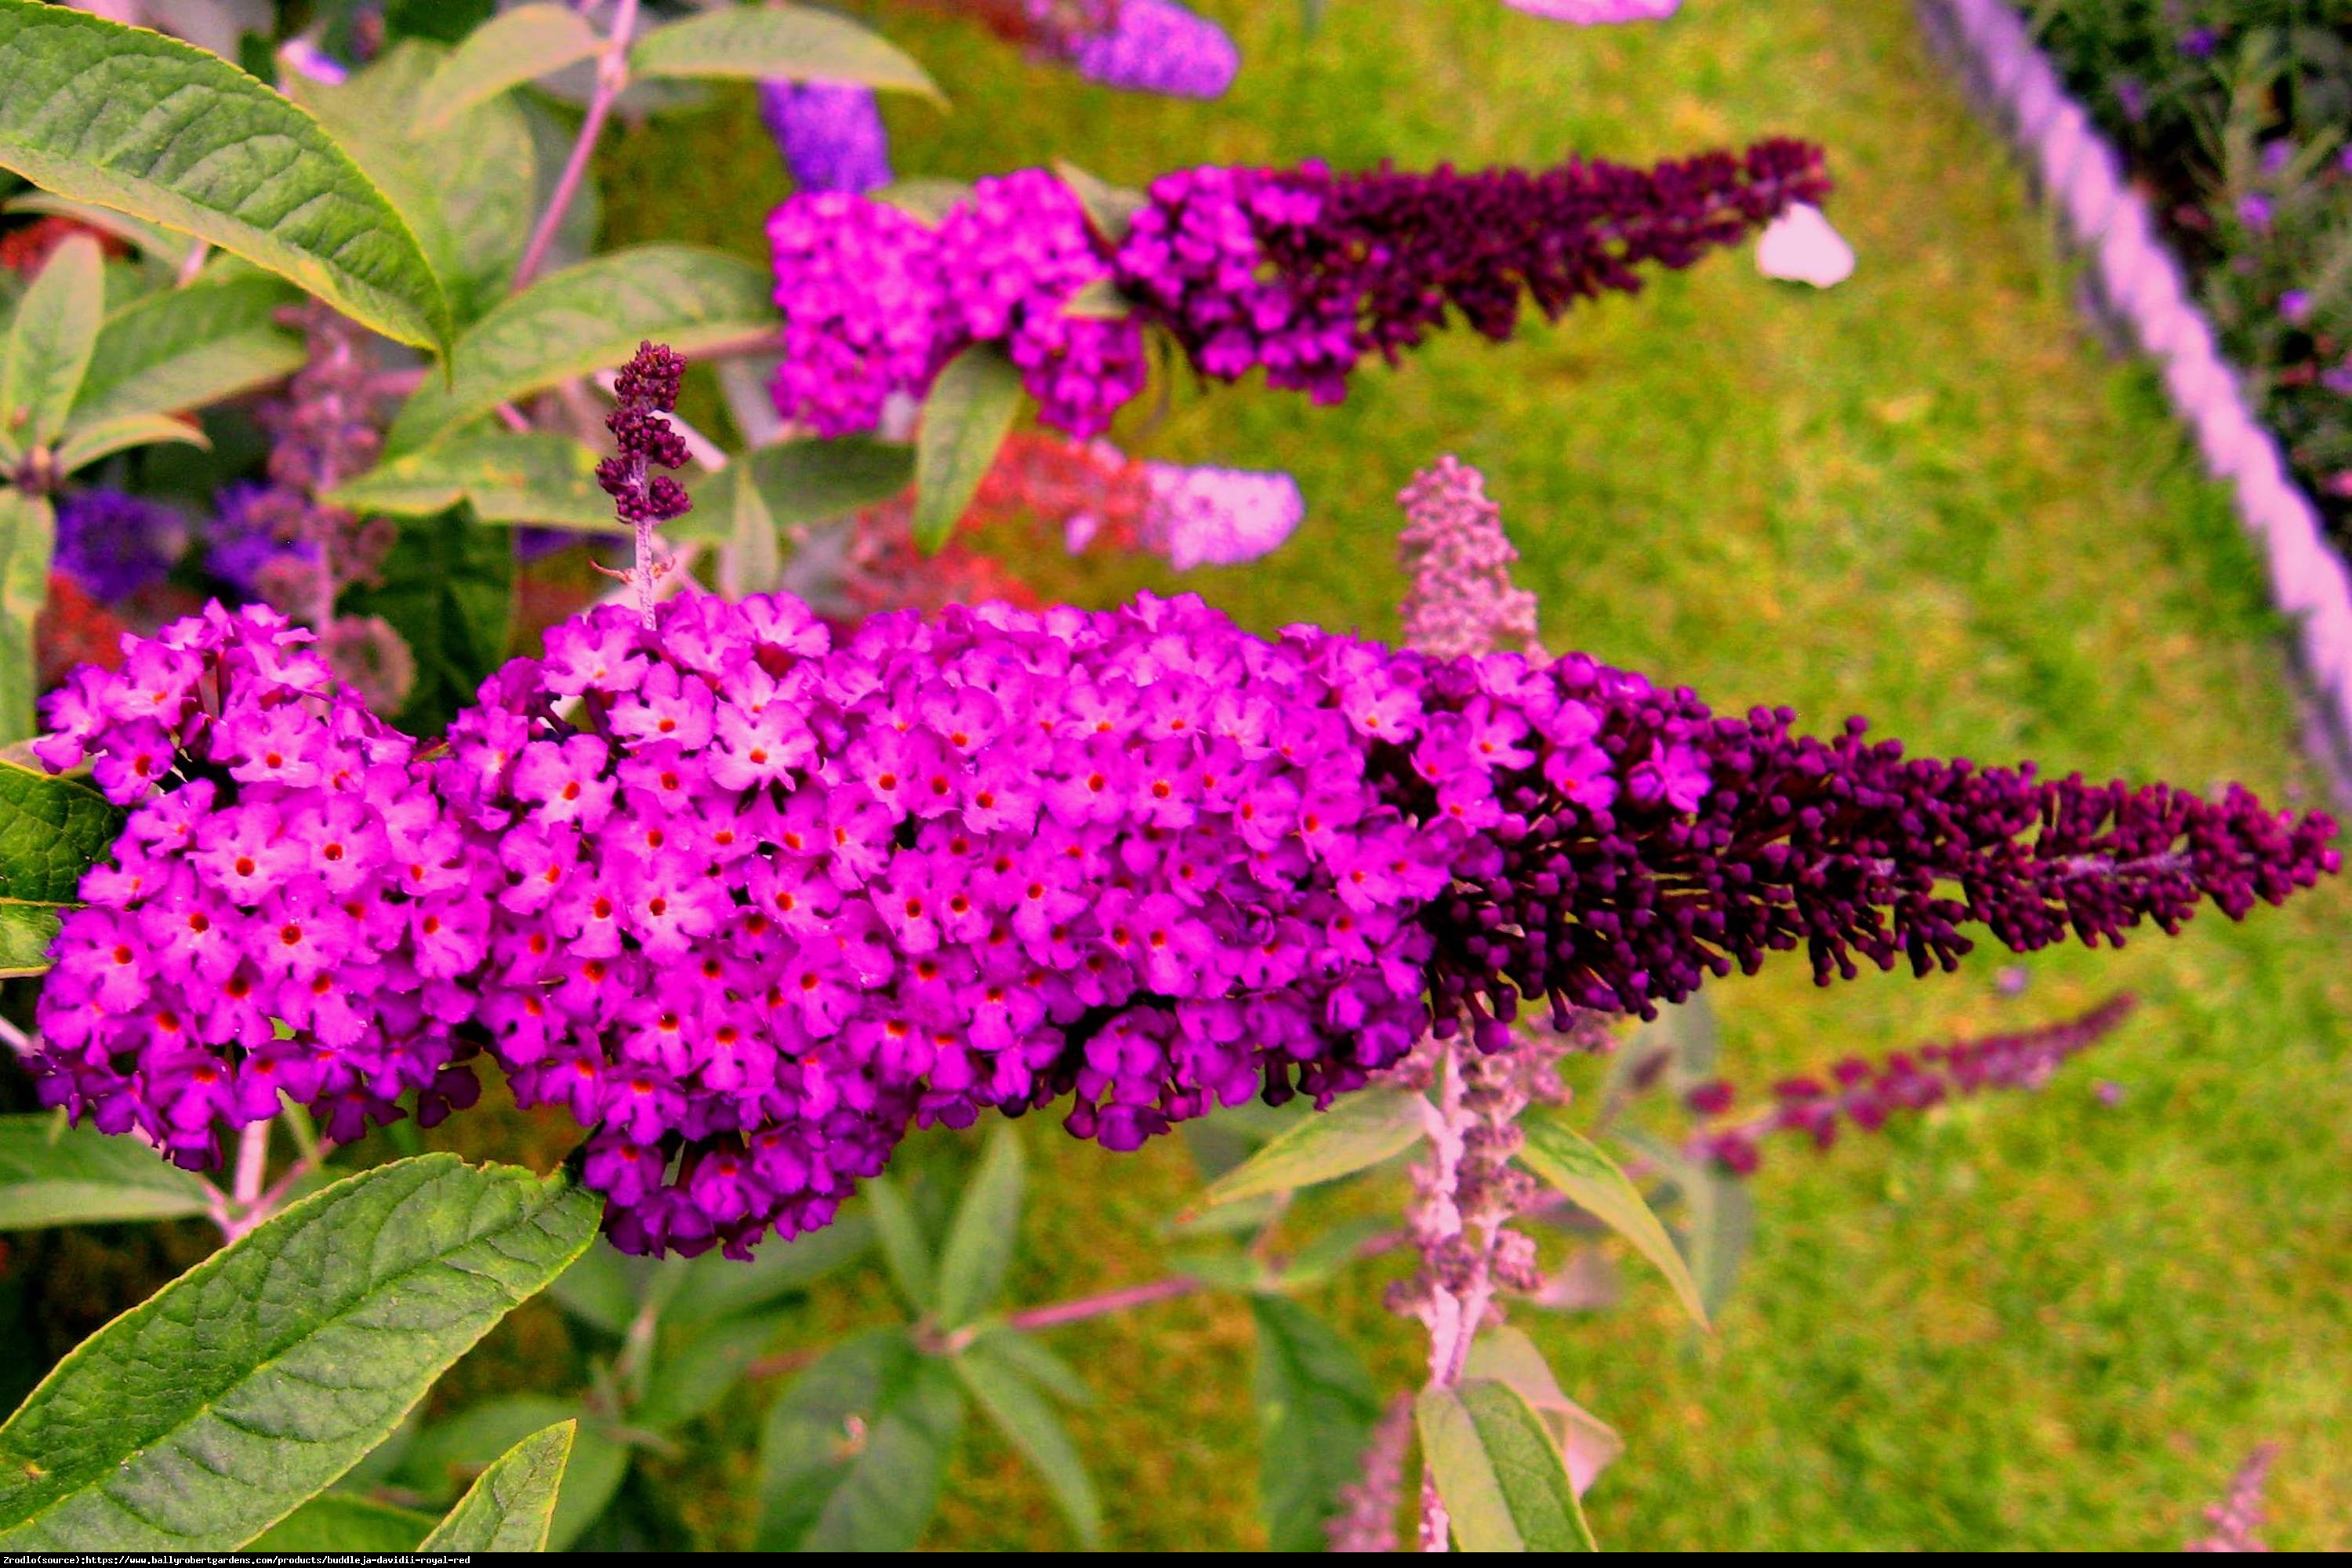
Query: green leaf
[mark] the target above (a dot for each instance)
(734, 511)
(466, 190)
(1316, 1408)
(717, 1286)
(50, 343)
(927, 200)
(904, 1247)
(599, 1290)
(1359, 1131)
(965, 420)
(150, 238)
(340, 1522)
(28, 532)
(179, 351)
(1722, 1228)
(27, 934)
(98, 113)
(986, 1234)
(448, 588)
(509, 1507)
(1027, 1354)
(507, 476)
(793, 42)
(589, 317)
(196, 1420)
(801, 482)
(1333, 1250)
(1503, 1484)
(1587, 1443)
(1590, 1180)
(503, 52)
(1029, 1424)
(451, 1452)
(854, 1452)
(1110, 208)
(51, 831)
(107, 437)
(693, 1378)
(51, 1173)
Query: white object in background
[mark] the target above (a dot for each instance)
(1799, 247)
(1589, 11)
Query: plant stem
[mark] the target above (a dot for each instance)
(252, 1162)
(14, 1038)
(1085, 1306)
(612, 76)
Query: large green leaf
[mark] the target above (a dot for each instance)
(905, 1250)
(196, 1420)
(1503, 1484)
(965, 420)
(507, 476)
(448, 588)
(1020, 1411)
(793, 42)
(51, 831)
(28, 533)
(717, 1286)
(179, 351)
(589, 317)
(798, 482)
(1587, 1443)
(338, 1521)
(510, 1505)
(1359, 1131)
(505, 52)
(49, 346)
(1590, 1180)
(466, 189)
(986, 1234)
(449, 1453)
(1316, 1407)
(127, 119)
(51, 1173)
(854, 1452)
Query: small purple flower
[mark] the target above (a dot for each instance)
(2294, 307)
(2132, 97)
(2276, 156)
(2199, 43)
(2255, 210)
(830, 134)
(2338, 379)
(113, 544)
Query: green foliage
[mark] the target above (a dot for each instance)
(337, 1522)
(196, 1420)
(1504, 1483)
(448, 588)
(150, 239)
(965, 420)
(1359, 1131)
(986, 1234)
(698, 1371)
(49, 345)
(1586, 1444)
(1316, 1407)
(586, 318)
(505, 52)
(801, 482)
(1109, 208)
(505, 476)
(796, 43)
(51, 831)
(1003, 1386)
(127, 119)
(509, 1507)
(905, 1249)
(446, 1454)
(103, 438)
(854, 1452)
(717, 1287)
(181, 350)
(51, 1173)
(1576, 1169)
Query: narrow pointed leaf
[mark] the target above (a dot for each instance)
(49, 344)
(589, 317)
(51, 1173)
(123, 118)
(854, 1453)
(795, 43)
(986, 1234)
(1028, 1355)
(1587, 1443)
(904, 1248)
(1359, 1131)
(28, 532)
(1316, 1407)
(1110, 208)
(505, 52)
(338, 1521)
(1021, 1412)
(183, 349)
(451, 1454)
(153, 239)
(801, 482)
(196, 1420)
(965, 420)
(105, 437)
(1504, 1485)
(534, 477)
(510, 1505)
(1590, 1180)
(751, 561)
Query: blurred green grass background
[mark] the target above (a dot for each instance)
(1928, 496)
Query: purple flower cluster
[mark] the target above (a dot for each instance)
(1200, 516)
(1460, 598)
(1301, 272)
(830, 134)
(114, 546)
(284, 862)
(1867, 1094)
(1157, 46)
(749, 904)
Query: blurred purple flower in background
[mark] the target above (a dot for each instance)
(2199, 43)
(1157, 46)
(2255, 211)
(830, 134)
(1588, 13)
(2294, 306)
(113, 544)
(1217, 517)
